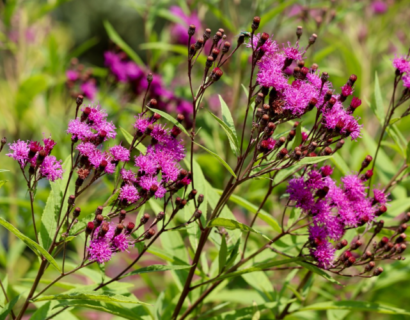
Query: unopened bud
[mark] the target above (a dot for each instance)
(71, 200)
(130, 227)
(382, 209)
(282, 153)
(226, 47)
(378, 271)
(369, 266)
(153, 103)
(150, 77)
(356, 244)
(312, 39)
(401, 238)
(150, 233)
(200, 198)
(191, 30)
(366, 161)
(383, 242)
(79, 100)
(183, 203)
(255, 23)
(175, 131)
(122, 215)
(144, 218)
(180, 118)
(263, 38)
(328, 95)
(352, 80)
(402, 228)
(40, 157)
(76, 212)
(118, 229)
(215, 52)
(192, 194)
(98, 220)
(104, 229)
(89, 228)
(299, 32)
(160, 216)
(341, 244)
(207, 34)
(197, 214)
(217, 74)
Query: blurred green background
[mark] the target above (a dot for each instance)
(39, 39)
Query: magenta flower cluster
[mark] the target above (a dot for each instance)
(127, 71)
(332, 208)
(38, 157)
(86, 85)
(102, 247)
(275, 67)
(402, 65)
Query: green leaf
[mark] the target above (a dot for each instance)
(223, 252)
(127, 311)
(298, 137)
(233, 225)
(113, 35)
(354, 306)
(140, 147)
(285, 173)
(256, 268)
(170, 119)
(378, 108)
(263, 215)
(164, 47)
(156, 268)
(339, 162)
(37, 249)
(220, 160)
(6, 310)
(52, 209)
(318, 271)
(2, 183)
(408, 153)
(27, 91)
(90, 295)
(268, 16)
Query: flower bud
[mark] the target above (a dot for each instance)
(180, 118)
(103, 164)
(144, 218)
(149, 234)
(282, 153)
(191, 30)
(98, 220)
(366, 161)
(76, 212)
(40, 157)
(401, 238)
(105, 227)
(324, 77)
(130, 227)
(200, 198)
(255, 23)
(349, 262)
(118, 229)
(71, 200)
(312, 39)
(382, 209)
(192, 50)
(199, 43)
(215, 52)
(303, 72)
(402, 228)
(263, 38)
(99, 210)
(291, 135)
(149, 129)
(388, 246)
(383, 242)
(379, 226)
(79, 100)
(340, 245)
(3, 141)
(401, 248)
(346, 255)
(217, 37)
(378, 271)
(217, 74)
(183, 203)
(241, 39)
(122, 215)
(352, 80)
(160, 216)
(153, 103)
(299, 32)
(175, 131)
(89, 228)
(197, 214)
(328, 95)
(226, 47)
(79, 182)
(321, 193)
(192, 194)
(369, 266)
(150, 77)
(327, 151)
(207, 34)
(312, 103)
(355, 244)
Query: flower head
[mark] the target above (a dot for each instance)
(51, 169)
(129, 194)
(20, 151)
(401, 64)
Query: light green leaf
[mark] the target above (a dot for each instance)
(170, 119)
(379, 111)
(408, 153)
(233, 225)
(318, 271)
(155, 268)
(339, 162)
(5, 311)
(90, 295)
(2, 183)
(263, 215)
(27, 91)
(164, 47)
(220, 160)
(140, 147)
(256, 268)
(113, 35)
(37, 249)
(354, 306)
(298, 137)
(268, 16)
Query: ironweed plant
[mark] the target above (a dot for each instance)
(152, 166)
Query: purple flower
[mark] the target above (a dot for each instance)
(100, 249)
(120, 242)
(379, 7)
(86, 148)
(79, 130)
(20, 151)
(141, 123)
(270, 47)
(120, 153)
(406, 80)
(380, 196)
(110, 58)
(298, 192)
(128, 175)
(146, 164)
(48, 145)
(297, 96)
(72, 75)
(401, 64)
(129, 194)
(354, 188)
(326, 170)
(179, 30)
(347, 90)
(151, 183)
(51, 168)
(89, 89)
(292, 52)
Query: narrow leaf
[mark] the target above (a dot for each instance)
(233, 225)
(318, 271)
(223, 251)
(140, 147)
(113, 35)
(37, 249)
(155, 268)
(220, 160)
(170, 119)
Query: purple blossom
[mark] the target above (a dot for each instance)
(326, 170)
(146, 182)
(146, 164)
(20, 151)
(128, 175)
(142, 122)
(298, 192)
(51, 168)
(86, 148)
(48, 145)
(120, 153)
(380, 196)
(179, 30)
(79, 130)
(354, 188)
(297, 96)
(270, 47)
(72, 75)
(292, 52)
(379, 7)
(120, 242)
(406, 80)
(129, 194)
(89, 89)
(401, 64)
(347, 90)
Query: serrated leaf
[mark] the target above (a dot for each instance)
(90, 295)
(156, 268)
(354, 306)
(219, 159)
(170, 119)
(128, 137)
(113, 35)
(318, 271)
(35, 247)
(263, 215)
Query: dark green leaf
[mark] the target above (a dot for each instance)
(223, 251)
(4, 312)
